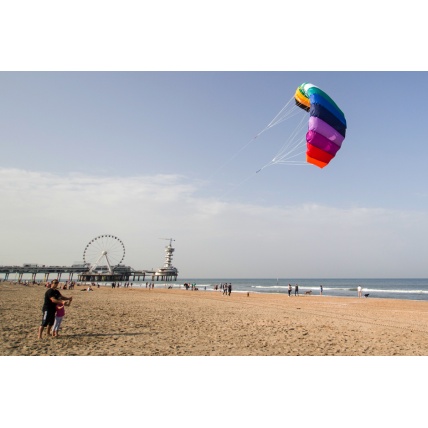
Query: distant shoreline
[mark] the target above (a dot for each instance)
(396, 288)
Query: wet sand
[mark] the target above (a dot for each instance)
(168, 322)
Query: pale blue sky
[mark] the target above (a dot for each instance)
(144, 155)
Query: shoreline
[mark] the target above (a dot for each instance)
(383, 290)
(166, 322)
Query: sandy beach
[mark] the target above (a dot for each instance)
(168, 322)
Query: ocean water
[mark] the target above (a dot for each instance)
(388, 288)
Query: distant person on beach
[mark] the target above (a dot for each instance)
(289, 290)
(52, 298)
(59, 315)
(360, 291)
(296, 290)
(321, 290)
(229, 288)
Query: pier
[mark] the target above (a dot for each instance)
(124, 273)
(35, 270)
(106, 248)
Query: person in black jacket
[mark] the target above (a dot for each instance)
(52, 298)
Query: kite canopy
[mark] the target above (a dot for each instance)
(327, 124)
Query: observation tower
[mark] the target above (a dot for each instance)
(167, 272)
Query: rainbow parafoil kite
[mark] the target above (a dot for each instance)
(327, 124)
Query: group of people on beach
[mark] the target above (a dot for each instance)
(296, 290)
(68, 285)
(117, 284)
(227, 288)
(192, 287)
(290, 289)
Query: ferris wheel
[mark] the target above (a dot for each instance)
(104, 249)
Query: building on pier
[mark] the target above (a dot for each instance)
(167, 272)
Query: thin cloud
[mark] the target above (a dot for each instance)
(48, 218)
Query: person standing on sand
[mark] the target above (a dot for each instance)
(52, 298)
(321, 290)
(229, 288)
(59, 315)
(360, 291)
(296, 290)
(289, 290)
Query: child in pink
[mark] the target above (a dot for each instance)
(59, 315)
